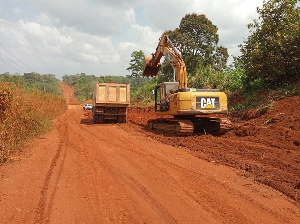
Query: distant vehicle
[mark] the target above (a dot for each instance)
(87, 106)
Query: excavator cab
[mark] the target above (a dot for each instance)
(162, 95)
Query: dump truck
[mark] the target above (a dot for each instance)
(110, 102)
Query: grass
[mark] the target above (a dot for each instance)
(24, 114)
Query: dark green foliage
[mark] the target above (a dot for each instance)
(118, 79)
(71, 80)
(234, 76)
(84, 87)
(166, 73)
(271, 53)
(47, 83)
(136, 68)
(84, 84)
(144, 96)
(16, 79)
(197, 40)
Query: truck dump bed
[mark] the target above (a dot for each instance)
(111, 93)
(110, 102)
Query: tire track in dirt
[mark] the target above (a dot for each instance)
(48, 191)
(139, 189)
(179, 176)
(132, 183)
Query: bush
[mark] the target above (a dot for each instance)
(144, 96)
(23, 115)
(271, 52)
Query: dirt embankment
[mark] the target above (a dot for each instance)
(266, 148)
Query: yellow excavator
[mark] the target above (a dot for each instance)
(192, 110)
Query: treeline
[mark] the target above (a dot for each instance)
(84, 83)
(47, 83)
(28, 103)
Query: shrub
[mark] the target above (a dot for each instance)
(23, 115)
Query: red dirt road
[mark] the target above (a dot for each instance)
(114, 173)
(266, 149)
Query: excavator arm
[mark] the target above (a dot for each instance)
(166, 48)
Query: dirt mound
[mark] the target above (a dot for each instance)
(279, 127)
(266, 148)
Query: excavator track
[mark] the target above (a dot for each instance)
(202, 125)
(173, 126)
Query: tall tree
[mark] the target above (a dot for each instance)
(197, 39)
(136, 67)
(271, 52)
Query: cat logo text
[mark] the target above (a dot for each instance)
(207, 102)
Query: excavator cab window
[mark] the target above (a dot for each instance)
(161, 95)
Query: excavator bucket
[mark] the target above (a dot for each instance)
(149, 69)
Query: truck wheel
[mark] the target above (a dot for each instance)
(121, 119)
(100, 119)
(95, 119)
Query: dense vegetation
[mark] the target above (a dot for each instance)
(27, 105)
(47, 83)
(269, 60)
(197, 40)
(84, 84)
(271, 54)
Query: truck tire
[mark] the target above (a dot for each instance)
(121, 119)
(100, 119)
(95, 119)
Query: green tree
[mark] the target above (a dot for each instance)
(84, 86)
(71, 79)
(110, 78)
(234, 75)
(16, 79)
(49, 84)
(197, 40)
(136, 68)
(166, 73)
(32, 79)
(271, 53)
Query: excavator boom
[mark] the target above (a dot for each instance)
(166, 48)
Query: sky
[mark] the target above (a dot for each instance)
(97, 37)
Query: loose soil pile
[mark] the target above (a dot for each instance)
(266, 148)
